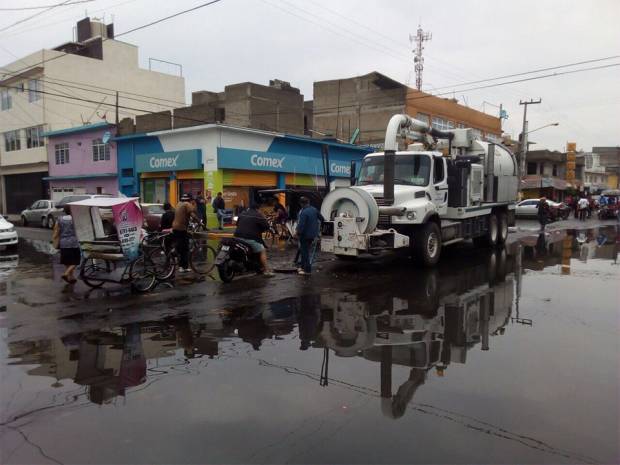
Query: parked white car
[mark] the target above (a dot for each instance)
(529, 208)
(8, 235)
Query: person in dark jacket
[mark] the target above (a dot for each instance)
(167, 218)
(219, 205)
(543, 212)
(251, 225)
(308, 227)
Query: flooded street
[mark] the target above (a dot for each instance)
(507, 356)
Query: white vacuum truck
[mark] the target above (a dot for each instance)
(421, 198)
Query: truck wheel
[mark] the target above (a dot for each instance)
(427, 244)
(502, 223)
(490, 238)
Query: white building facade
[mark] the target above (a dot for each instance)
(77, 83)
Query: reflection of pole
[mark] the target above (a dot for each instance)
(325, 368)
(386, 371)
(518, 276)
(567, 252)
(486, 302)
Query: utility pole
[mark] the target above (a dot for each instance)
(524, 133)
(116, 108)
(418, 59)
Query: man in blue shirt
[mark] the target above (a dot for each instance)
(307, 231)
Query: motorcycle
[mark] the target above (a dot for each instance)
(235, 257)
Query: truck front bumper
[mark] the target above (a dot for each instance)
(341, 237)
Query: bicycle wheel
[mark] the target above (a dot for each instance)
(142, 274)
(165, 264)
(91, 269)
(201, 256)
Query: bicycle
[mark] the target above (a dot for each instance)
(162, 254)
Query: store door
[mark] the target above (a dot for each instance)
(191, 186)
(155, 190)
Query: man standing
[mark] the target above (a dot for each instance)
(307, 231)
(543, 212)
(186, 208)
(583, 205)
(218, 207)
(201, 208)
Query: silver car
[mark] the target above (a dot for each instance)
(38, 213)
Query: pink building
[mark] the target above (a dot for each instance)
(82, 160)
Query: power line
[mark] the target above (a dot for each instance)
(23, 20)
(24, 8)
(540, 70)
(122, 33)
(326, 108)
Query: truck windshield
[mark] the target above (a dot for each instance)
(410, 170)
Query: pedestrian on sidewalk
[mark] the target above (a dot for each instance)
(219, 205)
(543, 212)
(583, 206)
(307, 231)
(65, 239)
(186, 209)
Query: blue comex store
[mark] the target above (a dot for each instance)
(235, 161)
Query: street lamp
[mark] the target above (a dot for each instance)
(524, 143)
(543, 127)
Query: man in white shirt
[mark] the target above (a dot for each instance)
(583, 205)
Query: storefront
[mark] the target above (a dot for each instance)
(235, 161)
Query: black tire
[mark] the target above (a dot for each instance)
(490, 237)
(24, 221)
(427, 244)
(202, 257)
(226, 272)
(142, 274)
(502, 224)
(90, 269)
(50, 222)
(165, 264)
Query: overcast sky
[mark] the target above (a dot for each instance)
(306, 41)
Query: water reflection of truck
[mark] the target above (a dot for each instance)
(468, 309)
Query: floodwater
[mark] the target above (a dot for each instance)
(494, 357)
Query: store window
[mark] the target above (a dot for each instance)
(12, 141)
(531, 167)
(34, 137)
(34, 90)
(155, 190)
(101, 151)
(6, 101)
(442, 124)
(61, 152)
(423, 117)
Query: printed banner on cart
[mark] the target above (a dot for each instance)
(128, 221)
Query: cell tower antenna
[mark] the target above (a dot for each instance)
(419, 38)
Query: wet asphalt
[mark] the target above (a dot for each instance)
(494, 356)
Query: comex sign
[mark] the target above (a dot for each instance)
(267, 162)
(339, 169)
(168, 163)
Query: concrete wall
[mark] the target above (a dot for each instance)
(154, 122)
(342, 105)
(368, 102)
(119, 69)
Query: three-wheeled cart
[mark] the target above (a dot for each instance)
(116, 258)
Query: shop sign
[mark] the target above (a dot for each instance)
(169, 161)
(285, 163)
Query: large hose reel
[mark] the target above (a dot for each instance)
(352, 202)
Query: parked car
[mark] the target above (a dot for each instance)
(37, 213)
(8, 235)
(57, 211)
(529, 208)
(152, 212)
